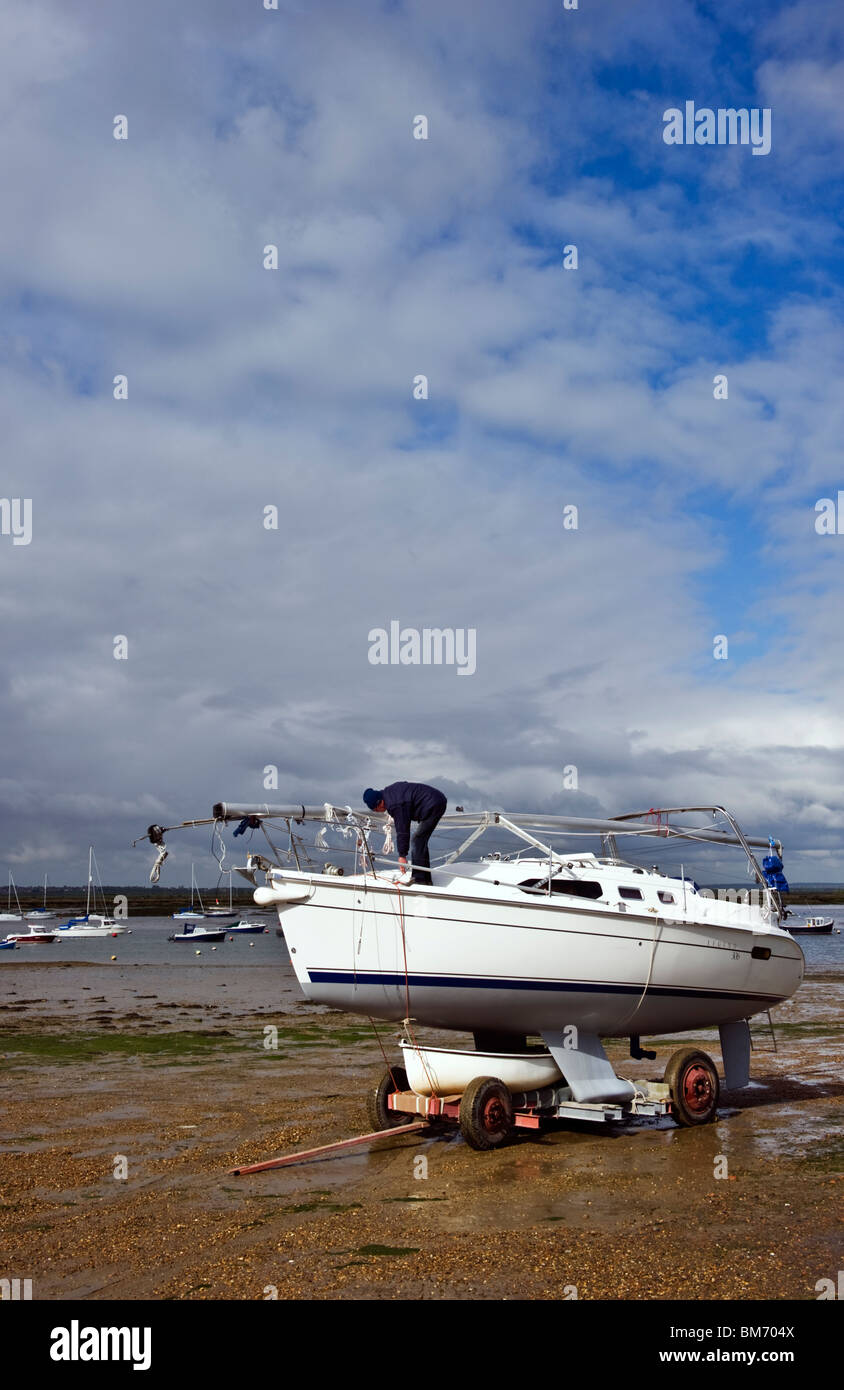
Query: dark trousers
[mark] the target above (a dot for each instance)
(419, 857)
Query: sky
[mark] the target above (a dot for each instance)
(248, 646)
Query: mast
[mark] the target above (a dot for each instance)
(88, 894)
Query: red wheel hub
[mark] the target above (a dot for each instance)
(697, 1089)
(494, 1116)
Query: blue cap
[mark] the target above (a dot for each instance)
(371, 798)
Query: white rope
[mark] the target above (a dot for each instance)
(155, 871)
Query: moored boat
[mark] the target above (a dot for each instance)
(92, 924)
(813, 926)
(9, 915)
(199, 934)
(40, 914)
(244, 927)
(34, 937)
(223, 912)
(191, 914)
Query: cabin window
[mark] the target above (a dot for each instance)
(630, 893)
(665, 897)
(569, 887)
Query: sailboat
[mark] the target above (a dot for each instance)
(223, 911)
(93, 923)
(570, 944)
(39, 914)
(9, 915)
(189, 913)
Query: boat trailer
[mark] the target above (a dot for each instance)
(487, 1113)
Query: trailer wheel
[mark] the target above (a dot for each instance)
(486, 1113)
(376, 1101)
(692, 1079)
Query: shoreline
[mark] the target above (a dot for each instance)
(182, 1089)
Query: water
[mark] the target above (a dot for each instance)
(247, 974)
(823, 953)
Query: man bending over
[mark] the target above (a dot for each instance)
(406, 802)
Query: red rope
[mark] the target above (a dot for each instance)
(384, 1055)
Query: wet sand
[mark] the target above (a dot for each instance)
(184, 1089)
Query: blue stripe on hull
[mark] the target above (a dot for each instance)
(364, 977)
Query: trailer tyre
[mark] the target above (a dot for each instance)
(692, 1078)
(376, 1101)
(486, 1113)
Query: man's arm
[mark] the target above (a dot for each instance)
(400, 812)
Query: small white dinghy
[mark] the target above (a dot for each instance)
(448, 1072)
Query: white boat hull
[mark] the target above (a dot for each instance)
(445, 1071)
(92, 930)
(466, 957)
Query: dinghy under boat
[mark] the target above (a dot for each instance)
(566, 945)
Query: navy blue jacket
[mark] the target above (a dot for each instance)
(407, 801)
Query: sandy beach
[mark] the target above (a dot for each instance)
(169, 1072)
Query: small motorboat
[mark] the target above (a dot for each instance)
(199, 934)
(35, 936)
(244, 927)
(8, 945)
(93, 924)
(815, 926)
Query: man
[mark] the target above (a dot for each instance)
(406, 802)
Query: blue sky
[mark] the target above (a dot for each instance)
(293, 387)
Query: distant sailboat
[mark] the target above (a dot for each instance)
(9, 915)
(38, 914)
(93, 923)
(189, 913)
(223, 911)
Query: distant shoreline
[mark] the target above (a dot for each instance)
(155, 902)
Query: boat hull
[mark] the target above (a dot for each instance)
(90, 931)
(486, 963)
(446, 1071)
(199, 936)
(33, 939)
